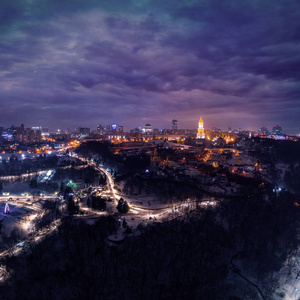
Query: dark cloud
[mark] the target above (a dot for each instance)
(69, 63)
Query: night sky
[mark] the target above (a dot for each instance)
(70, 63)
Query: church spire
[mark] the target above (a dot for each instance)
(200, 133)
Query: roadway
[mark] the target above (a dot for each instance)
(136, 211)
(136, 215)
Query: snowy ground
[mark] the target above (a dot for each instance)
(290, 278)
(20, 211)
(18, 188)
(19, 217)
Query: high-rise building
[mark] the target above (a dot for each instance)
(38, 136)
(30, 136)
(121, 129)
(33, 134)
(45, 131)
(200, 132)
(108, 128)
(263, 131)
(277, 130)
(148, 128)
(174, 124)
(100, 129)
(135, 130)
(84, 131)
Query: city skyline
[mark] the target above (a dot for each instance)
(137, 62)
(125, 129)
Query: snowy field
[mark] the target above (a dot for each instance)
(17, 217)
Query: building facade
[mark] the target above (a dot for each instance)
(174, 124)
(200, 131)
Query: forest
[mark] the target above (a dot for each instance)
(236, 250)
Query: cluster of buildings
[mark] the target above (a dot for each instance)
(195, 151)
(14, 139)
(109, 129)
(215, 169)
(148, 133)
(232, 150)
(23, 135)
(275, 133)
(116, 133)
(209, 165)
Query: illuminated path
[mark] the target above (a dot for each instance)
(18, 248)
(156, 214)
(144, 214)
(15, 177)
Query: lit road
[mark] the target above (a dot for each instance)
(15, 177)
(24, 245)
(110, 182)
(19, 202)
(36, 237)
(136, 215)
(143, 213)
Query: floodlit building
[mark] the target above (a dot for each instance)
(45, 131)
(148, 128)
(200, 132)
(114, 127)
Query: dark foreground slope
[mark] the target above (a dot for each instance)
(185, 258)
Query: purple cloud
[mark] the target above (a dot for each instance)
(87, 64)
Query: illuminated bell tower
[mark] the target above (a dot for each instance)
(200, 133)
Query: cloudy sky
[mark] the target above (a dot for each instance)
(70, 63)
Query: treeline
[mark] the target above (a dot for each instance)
(96, 202)
(165, 190)
(278, 151)
(121, 166)
(14, 166)
(88, 149)
(86, 173)
(185, 258)
(292, 178)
